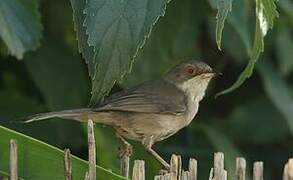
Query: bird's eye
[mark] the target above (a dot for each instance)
(190, 70)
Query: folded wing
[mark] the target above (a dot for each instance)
(151, 97)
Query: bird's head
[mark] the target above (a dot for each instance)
(192, 77)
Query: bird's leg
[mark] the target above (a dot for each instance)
(126, 148)
(147, 143)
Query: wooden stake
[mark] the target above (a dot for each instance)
(211, 174)
(192, 169)
(240, 168)
(138, 172)
(86, 176)
(175, 167)
(67, 165)
(258, 170)
(13, 160)
(218, 166)
(92, 151)
(288, 170)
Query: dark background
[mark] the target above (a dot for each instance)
(248, 122)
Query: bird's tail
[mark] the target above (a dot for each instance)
(76, 114)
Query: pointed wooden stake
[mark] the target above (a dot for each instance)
(13, 160)
(67, 165)
(192, 169)
(138, 172)
(92, 151)
(240, 168)
(258, 170)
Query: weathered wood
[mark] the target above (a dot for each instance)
(218, 166)
(166, 176)
(125, 153)
(13, 160)
(67, 165)
(175, 167)
(240, 168)
(192, 169)
(288, 170)
(158, 177)
(224, 175)
(92, 151)
(138, 172)
(185, 175)
(211, 174)
(258, 170)
(86, 176)
(124, 166)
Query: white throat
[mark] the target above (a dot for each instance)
(195, 88)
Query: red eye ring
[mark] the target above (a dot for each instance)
(190, 70)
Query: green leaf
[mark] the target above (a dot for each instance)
(117, 30)
(224, 7)
(173, 39)
(20, 25)
(265, 14)
(284, 51)
(83, 47)
(278, 91)
(37, 160)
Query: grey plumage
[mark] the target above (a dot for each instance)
(151, 111)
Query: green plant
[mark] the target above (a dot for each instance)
(115, 37)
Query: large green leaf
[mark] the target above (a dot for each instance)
(224, 7)
(20, 25)
(265, 14)
(117, 30)
(84, 48)
(173, 40)
(278, 91)
(37, 160)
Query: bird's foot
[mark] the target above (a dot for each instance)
(125, 150)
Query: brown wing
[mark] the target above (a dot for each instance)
(151, 97)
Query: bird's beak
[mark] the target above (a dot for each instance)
(213, 74)
(217, 73)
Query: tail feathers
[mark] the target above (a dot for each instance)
(70, 114)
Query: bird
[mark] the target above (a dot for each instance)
(151, 111)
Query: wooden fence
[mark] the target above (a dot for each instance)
(176, 172)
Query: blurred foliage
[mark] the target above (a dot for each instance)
(255, 121)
